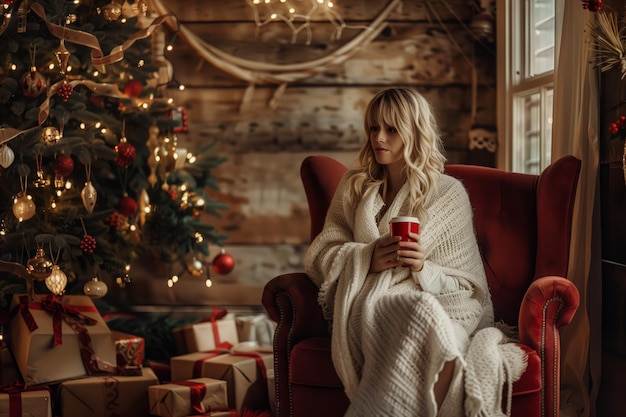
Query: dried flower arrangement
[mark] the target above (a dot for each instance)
(609, 35)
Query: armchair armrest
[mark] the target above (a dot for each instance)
(549, 303)
(291, 301)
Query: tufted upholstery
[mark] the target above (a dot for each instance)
(523, 224)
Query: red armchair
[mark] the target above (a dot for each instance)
(523, 224)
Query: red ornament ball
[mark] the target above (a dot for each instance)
(173, 194)
(88, 244)
(127, 206)
(34, 83)
(126, 154)
(223, 263)
(133, 88)
(63, 165)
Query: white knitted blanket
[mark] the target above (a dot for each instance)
(390, 338)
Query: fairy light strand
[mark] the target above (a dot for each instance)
(297, 17)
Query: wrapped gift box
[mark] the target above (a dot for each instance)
(183, 398)
(244, 372)
(206, 335)
(256, 328)
(34, 402)
(130, 352)
(32, 340)
(106, 396)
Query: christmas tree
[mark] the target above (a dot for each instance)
(92, 175)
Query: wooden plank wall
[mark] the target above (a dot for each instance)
(321, 113)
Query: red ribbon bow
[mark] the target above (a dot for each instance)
(15, 396)
(197, 392)
(213, 318)
(71, 315)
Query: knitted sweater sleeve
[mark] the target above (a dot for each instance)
(329, 254)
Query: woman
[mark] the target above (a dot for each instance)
(408, 317)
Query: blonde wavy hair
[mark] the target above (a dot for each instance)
(412, 116)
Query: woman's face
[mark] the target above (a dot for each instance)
(387, 145)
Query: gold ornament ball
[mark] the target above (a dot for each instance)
(111, 11)
(50, 135)
(195, 267)
(197, 203)
(39, 267)
(23, 207)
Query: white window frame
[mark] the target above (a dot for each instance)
(512, 66)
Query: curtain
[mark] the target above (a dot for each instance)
(575, 132)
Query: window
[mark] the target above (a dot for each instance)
(526, 61)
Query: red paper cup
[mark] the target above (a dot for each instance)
(401, 226)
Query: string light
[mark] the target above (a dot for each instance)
(297, 17)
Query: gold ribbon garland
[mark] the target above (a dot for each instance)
(98, 58)
(103, 89)
(8, 133)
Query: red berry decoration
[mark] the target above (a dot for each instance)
(88, 244)
(592, 5)
(133, 88)
(115, 220)
(223, 263)
(617, 129)
(127, 206)
(63, 165)
(65, 91)
(126, 154)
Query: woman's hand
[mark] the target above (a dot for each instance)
(385, 254)
(390, 252)
(411, 254)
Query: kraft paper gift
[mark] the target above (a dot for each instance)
(38, 348)
(33, 402)
(207, 335)
(244, 372)
(106, 396)
(183, 398)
